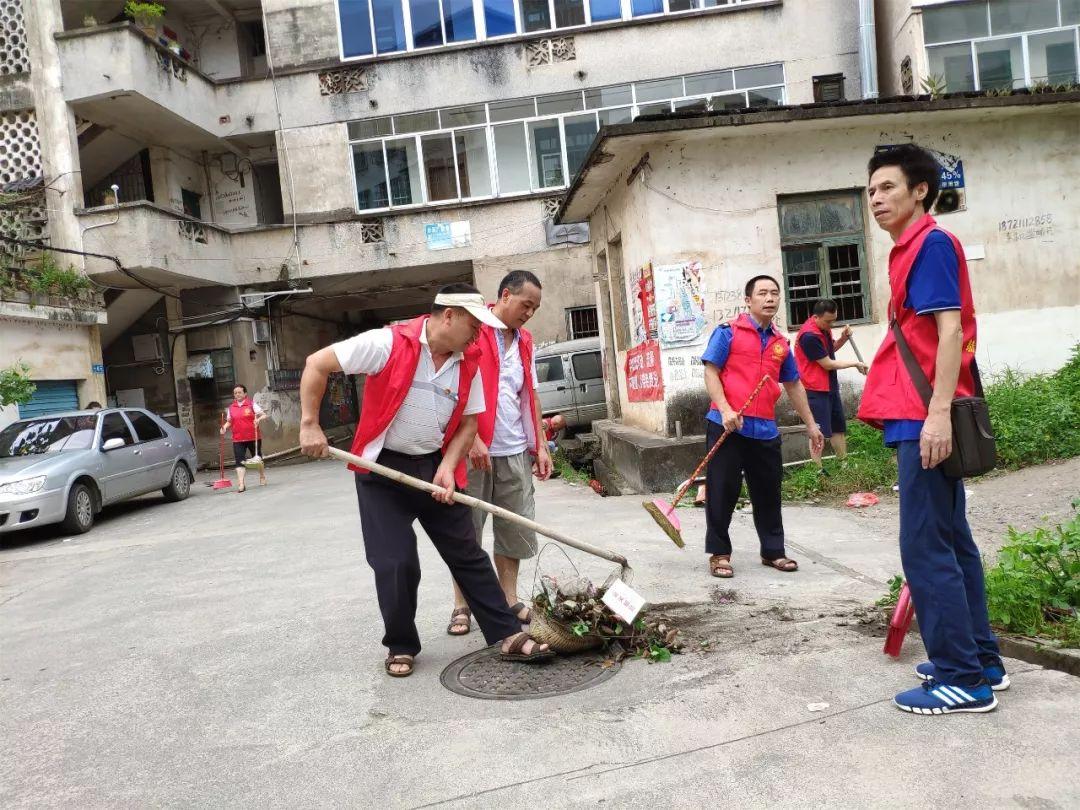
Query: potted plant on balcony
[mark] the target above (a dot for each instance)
(146, 15)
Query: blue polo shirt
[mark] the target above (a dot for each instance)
(717, 352)
(933, 285)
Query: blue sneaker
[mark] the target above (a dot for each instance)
(934, 697)
(996, 676)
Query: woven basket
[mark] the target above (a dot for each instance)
(559, 637)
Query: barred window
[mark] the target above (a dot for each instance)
(824, 254)
(582, 322)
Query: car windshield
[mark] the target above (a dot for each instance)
(39, 436)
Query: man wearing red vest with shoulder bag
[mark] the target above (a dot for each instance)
(507, 450)
(740, 353)
(422, 396)
(815, 357)
(923, 391)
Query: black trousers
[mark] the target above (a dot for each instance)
(760, 461)
(387, 512)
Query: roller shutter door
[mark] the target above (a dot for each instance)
(51, 396)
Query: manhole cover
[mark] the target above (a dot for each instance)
(483, 674)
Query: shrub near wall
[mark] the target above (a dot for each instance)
(1036, 419)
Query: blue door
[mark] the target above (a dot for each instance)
(51, 396)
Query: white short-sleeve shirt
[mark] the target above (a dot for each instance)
(419, 427)
(509, 438)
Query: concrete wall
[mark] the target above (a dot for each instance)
(54, 350)
(171, 171)
(899, 35)
(218, 52)
(566, 276)
(300, 31)
(1019, 228)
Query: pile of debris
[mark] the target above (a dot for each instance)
(572, 616)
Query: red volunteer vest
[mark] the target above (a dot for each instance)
(747, 363)
(889, 392)
(489, 371)
(242, 416)
(386, 391)
(813, 376)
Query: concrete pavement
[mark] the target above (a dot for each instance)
(225, 652)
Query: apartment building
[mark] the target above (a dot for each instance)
(245, 181)
(678, 223)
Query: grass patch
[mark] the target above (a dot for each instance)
(870, 465)
(1034, 587)
(567, 471)
(1035, 417)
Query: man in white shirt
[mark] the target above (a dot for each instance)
(421, 399)
(509, 447)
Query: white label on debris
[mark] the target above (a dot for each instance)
(624, 601)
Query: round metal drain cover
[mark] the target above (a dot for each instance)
(483, 674)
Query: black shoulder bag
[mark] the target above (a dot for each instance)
(974, 449)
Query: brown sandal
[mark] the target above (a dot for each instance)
(399, 660)
(720, 566)
(456, 622)
(781, 564)
(517, 644)
(516, 609)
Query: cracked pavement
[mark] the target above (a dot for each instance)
(225, 651)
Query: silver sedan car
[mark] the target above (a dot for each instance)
(64, 468)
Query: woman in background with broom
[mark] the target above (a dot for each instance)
(243, 417)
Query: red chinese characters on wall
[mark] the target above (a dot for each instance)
(644, 378)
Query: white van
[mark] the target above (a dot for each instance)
(570, 381)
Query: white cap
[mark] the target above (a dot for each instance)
(474, 304)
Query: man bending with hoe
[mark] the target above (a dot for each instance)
(421, 399)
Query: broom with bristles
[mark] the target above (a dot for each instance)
(663, 512)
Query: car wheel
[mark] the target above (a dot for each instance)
(80, 510)
(180, 485)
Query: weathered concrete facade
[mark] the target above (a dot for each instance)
(57, 339)
(694, 201)
(234, 181)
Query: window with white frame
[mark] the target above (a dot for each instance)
(995, 44)
(372, 27)
(823, 246)
(525, 145)
(582, 322)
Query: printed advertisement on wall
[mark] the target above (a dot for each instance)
(643, 302)
(680, 304)
(644, 380)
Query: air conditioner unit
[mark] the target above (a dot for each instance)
(260, 331)
(146, 347)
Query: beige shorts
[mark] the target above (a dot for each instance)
(508, 484)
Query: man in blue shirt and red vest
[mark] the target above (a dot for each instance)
(815, 357)
(422, 396)
(739, 354)
(930, 300)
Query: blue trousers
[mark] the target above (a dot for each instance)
(944, 571)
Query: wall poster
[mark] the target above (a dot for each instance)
(680, 303)
(644, 380)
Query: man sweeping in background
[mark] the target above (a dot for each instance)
(509, 446)
(421, 400)
(815, 357)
